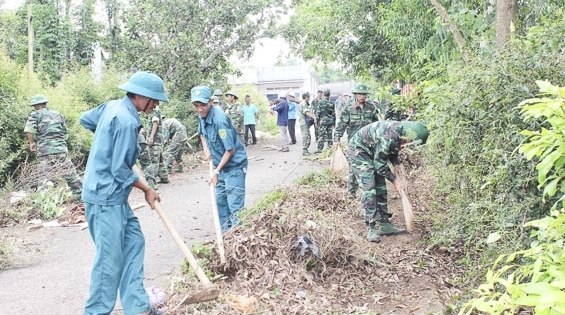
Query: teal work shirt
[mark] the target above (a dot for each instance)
(108, 178)
(221, 136)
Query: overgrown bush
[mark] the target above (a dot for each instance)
(535, 277)
(485, 185)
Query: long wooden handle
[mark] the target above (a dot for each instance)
(175, 235)
(217, 225)
(408, 214)
(182, 246)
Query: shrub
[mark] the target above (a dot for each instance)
(488, 186)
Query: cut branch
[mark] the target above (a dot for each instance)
(453, 28)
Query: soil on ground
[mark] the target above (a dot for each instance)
(50, 274)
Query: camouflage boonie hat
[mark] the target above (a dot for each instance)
(415, 130)
(38, 99)
(232, 93)
(360, 88)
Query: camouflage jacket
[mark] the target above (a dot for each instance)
(353, 117)
(326, 112)
(171, 127)
(381, 141)
(314, 106)
(303, 108)
(235, 113)
(48, 127)
(159, 137)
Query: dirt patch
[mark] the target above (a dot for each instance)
(265, 266)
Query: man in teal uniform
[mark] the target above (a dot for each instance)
(250, 116)
(47, 135)
(370, 150)
(108, 181)
(221, 144)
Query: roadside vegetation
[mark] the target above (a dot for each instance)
(494, 161)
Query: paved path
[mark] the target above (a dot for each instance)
(53, 274)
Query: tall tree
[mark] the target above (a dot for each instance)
(505, 17)
(189, 42)
(85, 33)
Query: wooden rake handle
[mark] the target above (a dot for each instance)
(216, 214)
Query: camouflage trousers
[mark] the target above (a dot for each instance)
(175, 150)
(60, 164)
(306, 137)
(352, 184)
(157, 164)
(143, 158)
(373, 185)
(325, 136)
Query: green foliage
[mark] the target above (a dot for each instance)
(7, 251)
(533, 278)
(49, 200)
(192, 42)
(487, 187)
(548, 144)
(317, 179)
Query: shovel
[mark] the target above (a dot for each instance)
(217, 225)
(210, 292)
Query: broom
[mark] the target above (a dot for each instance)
(408, 214)
(406, 206)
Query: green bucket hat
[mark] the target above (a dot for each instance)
(38, 99)
(415, 130)
(146, 84)
(232, 93)
(218, 92)
(360, 88)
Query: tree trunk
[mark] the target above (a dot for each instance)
(505, 16)
(453, 28)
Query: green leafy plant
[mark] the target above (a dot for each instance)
(548, 144)
(50, 198)
(534, 277)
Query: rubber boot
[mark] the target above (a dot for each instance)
(372, 234)
(305, 152)
(386, 228)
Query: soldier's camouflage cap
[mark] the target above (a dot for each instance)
(327, 92)
(232, 93)
(38, 99)
(218, 92)
(360, 88)
(415, 130)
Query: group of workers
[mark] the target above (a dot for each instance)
(116, 147)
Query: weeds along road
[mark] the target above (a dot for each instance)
(53, 270)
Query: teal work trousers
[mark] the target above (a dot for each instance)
(118, 265)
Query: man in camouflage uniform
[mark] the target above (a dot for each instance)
(325, 115)
(155, 142)
(305, 110)
(47, 135)
(234, 110)
(221, 102)
(314, 107)
(175, 135)
(370, 149)
(352, 118)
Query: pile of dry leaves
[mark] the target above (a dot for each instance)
(307, 254)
